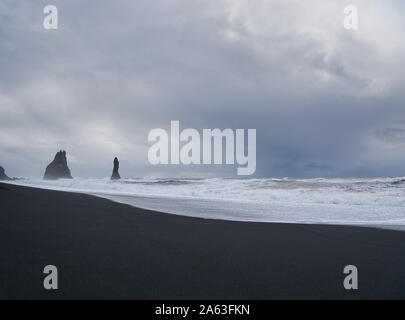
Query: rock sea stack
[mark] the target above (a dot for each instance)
(58, 168)
(3, 175)
(115, 174)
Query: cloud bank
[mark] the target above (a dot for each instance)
(325, 101)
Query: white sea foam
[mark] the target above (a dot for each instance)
(378, 202)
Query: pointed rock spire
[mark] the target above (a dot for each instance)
(115, 174)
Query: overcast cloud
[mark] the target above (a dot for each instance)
(325, 101)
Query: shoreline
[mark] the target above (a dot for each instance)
(310, 210)
(116, 199)
(108, 250)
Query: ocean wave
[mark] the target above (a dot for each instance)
(320, 200)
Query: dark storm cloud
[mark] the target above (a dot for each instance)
(324, 101)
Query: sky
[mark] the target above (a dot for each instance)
(325, 101)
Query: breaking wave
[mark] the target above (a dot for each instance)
(377, 202)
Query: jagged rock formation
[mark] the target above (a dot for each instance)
(3, 175)
(58, 168)
(115, 175)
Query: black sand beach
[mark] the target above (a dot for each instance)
(112, 251)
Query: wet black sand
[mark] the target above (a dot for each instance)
(112, 251)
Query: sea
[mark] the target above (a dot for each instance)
(373, 202)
